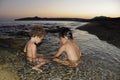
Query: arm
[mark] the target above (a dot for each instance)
(61, 49)
(25, 49)
(34, 51)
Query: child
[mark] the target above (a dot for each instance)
(36, 34)
(70, 47)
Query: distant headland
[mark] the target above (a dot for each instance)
(99, 18)
(36, 18)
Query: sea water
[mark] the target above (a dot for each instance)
(98, 57)
(9, 26)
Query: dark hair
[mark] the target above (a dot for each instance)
(65, 32)
(37, 31)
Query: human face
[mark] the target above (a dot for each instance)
(39, 39)
(62, 40)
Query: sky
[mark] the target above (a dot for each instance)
(59, 8)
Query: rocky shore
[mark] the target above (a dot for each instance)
(100, 60)
(105, 30)
(92, 67)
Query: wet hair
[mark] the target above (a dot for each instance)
(65, 32)
(37, 31)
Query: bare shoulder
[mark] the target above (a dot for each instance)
(32, 45)
(29, 46)
(76, 45)
(63, 47)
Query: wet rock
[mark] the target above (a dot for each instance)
(22, 33)
(100, 60)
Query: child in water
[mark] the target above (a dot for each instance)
(71, 49)
(36, 36)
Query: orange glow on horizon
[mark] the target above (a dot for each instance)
(61, 8)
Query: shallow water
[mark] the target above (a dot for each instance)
(100, 60)
(14, 29)
(98, 57)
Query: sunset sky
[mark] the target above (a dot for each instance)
(59, 8)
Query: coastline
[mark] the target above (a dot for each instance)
(93, 62)
(105, 30)
(92, 65)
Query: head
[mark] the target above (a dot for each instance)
(65, 34)
(37, 33)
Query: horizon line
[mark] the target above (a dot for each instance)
(55, 17)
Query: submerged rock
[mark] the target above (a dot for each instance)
(100, 60)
